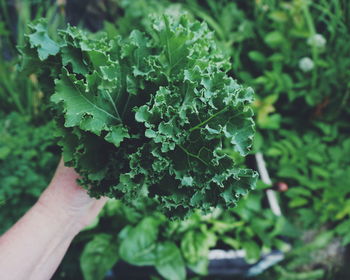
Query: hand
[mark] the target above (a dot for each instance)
(67, 200)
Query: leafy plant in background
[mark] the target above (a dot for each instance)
(319, 179)
(318, 255)
(18, 93)
(26, 164)
(302, 44)
(147, 237)
(315, 166)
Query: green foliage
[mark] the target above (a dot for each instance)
(294, 53)
(26, 164)
(99, 256)
(316, 166)
(18, 93)
(151, 115)
(140, 246)
(312, 259)
(169, 262)
(41, 41)
(147, 237)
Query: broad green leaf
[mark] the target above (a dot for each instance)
(169, 262)
(82, 107)
(274, 39)
(139, 247)
(99, 256)
(252, 251)
(195, 249)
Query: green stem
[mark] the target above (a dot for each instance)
(208, 120)
(190, 154)
(23, 19)
(314, 51)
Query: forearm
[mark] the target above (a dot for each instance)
(35, 245)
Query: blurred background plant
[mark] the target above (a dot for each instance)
(295, 55)
(18, 93)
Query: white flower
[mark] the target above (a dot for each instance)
(306, 64)
(317, 41)
(265, 8)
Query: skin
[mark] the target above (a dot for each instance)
(34, 247)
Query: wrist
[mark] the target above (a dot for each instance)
(58, 212)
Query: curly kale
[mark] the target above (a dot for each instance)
(154, 114)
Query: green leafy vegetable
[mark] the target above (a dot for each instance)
(153, 115)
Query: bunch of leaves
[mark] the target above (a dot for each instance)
(142, 236)
(316, 166)
(233, 29)
(230, 23)
(154, 114)
(26, 163)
